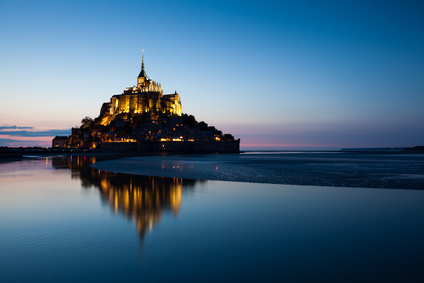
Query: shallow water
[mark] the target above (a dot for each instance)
(62, 221)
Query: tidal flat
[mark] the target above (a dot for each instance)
(61, 220)
(336, 169)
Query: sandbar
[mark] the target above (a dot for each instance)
(337, 169)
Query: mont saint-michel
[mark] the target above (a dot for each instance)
(143, 118)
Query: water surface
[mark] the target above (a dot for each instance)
(62, 221)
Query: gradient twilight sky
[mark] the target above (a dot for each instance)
(277, 74)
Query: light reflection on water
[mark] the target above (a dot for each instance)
(139, 198)
(62, 221)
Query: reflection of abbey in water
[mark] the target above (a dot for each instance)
(141, 198)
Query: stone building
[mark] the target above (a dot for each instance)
(59, 141)
(146, 96)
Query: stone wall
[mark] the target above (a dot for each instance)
(186, 146)
(118, 146)
(171, 146)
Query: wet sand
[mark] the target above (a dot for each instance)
(339, 169)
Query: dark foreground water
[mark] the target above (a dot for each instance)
(62, 221)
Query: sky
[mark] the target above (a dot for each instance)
(276, 74)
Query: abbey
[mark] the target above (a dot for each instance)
(146, 96)
(144, 119)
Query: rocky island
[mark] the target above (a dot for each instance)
(145, 119)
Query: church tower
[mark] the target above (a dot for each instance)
(142, 77)
(146, 96)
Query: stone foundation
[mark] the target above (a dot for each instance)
(171, 146)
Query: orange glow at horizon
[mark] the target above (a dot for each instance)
(37, 141)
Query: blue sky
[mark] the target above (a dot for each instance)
(277, 74)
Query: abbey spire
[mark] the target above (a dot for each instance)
(142, 59)
(142, 76)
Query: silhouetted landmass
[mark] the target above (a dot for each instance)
(151, 132)
(144, 127)
(376, 149)
(414, 149)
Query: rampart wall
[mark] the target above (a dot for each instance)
(171, 146)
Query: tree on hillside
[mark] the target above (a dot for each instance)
(87, 122)
(203, 126)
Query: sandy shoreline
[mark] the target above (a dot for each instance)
(320, 169)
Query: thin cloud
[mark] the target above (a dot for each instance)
(14, 127)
